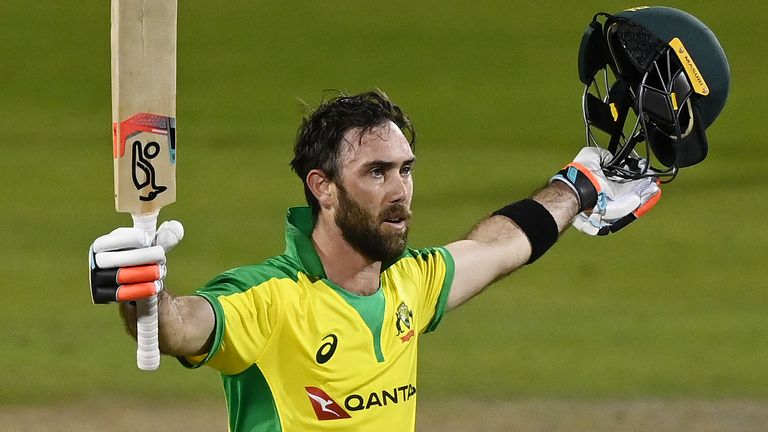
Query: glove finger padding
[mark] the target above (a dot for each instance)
(130, 257)
(589, 224)
(169, 234)
(126, 275)
(127, 265)
(124, 293)
(121, 239)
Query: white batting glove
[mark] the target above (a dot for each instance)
(624, 204)
(127, 264)
(607, 204)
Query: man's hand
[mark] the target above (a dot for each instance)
(127, 265)
(606, 204)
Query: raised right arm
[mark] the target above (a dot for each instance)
(185, 324)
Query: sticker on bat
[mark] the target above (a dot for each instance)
(143, 172)
(145, 161)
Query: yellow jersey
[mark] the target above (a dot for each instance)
(298, 353)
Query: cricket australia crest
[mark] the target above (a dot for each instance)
(403, 323)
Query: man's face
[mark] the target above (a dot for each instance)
(375, 189)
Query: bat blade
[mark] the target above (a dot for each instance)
(143, 41)
(144, 104)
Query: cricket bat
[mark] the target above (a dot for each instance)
(143, 37)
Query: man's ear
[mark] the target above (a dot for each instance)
(322, 187)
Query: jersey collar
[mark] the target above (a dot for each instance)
(298, 240)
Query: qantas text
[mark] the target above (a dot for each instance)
(356, 402)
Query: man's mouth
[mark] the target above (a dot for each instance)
(397, 217)
(396, 222)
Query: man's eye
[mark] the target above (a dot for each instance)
(406, 170)
(377, 172)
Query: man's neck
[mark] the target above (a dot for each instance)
(344, 265)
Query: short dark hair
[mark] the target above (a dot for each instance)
(321, 132)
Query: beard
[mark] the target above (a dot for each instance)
(365, 231)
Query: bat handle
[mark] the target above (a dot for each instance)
(148, 350)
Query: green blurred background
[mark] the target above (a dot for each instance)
(672, 308)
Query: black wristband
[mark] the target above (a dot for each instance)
(536, 222)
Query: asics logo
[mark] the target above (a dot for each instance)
(326, 350)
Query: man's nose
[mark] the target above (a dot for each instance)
(400, 189)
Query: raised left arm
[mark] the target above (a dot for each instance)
(521, 232)
(497, 246)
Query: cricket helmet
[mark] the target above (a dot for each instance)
(661, 67)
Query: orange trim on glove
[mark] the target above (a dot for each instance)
(648, 205)
(138, 274)
(137, 291)
(584, 170)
